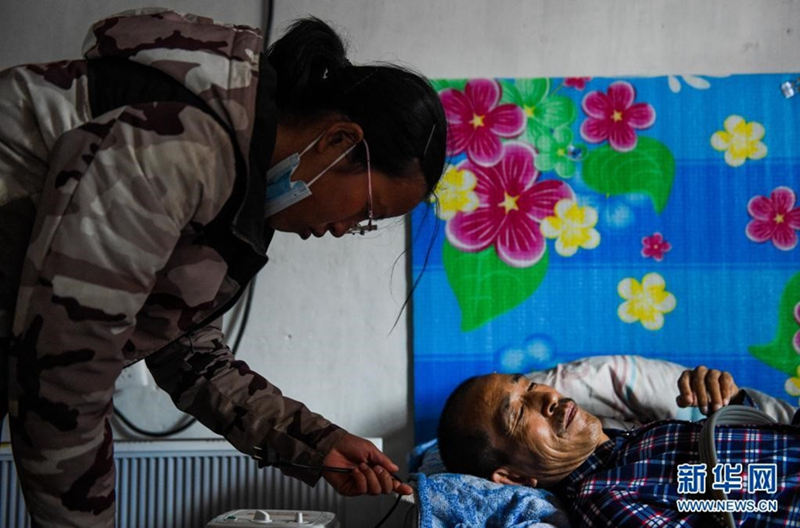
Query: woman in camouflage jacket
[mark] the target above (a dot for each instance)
(132, 215)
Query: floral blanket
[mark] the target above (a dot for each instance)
(590, 216)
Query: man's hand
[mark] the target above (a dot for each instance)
(371, 469)
(707, 389)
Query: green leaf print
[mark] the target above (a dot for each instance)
(485, 286)
(780, 353)
(649, 168)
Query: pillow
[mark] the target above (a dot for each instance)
(624, 391)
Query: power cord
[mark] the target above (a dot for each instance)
(155, 434)
(390, 512)
(268, 15)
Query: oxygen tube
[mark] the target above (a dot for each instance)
(729, 415)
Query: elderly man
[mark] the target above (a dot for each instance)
(511, 430)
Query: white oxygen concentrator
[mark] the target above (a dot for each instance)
(274, 519)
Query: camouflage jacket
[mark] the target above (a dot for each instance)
(125, 235)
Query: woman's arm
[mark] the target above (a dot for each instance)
(205, 380)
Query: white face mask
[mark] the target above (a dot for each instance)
(282, 191)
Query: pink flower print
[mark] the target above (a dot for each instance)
(796, 338)
(774, 218)
(655, 246)
(512, 205)
(613, 116)
(476, 122)
(579, 83)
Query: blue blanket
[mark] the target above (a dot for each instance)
(462, 501)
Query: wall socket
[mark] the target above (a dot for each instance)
(135, 375)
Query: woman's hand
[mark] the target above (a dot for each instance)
(371, 469)
(707, 389)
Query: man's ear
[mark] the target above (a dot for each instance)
(340, 136)
(505, 475)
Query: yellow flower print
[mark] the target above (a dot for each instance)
(646, 302)
(740, 140)
(454, 193)
(572, 227)
(792, 384)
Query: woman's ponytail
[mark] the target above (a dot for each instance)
(303, 59)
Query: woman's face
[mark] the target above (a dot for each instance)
(340, 198)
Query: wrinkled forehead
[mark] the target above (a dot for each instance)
(493, 394)
(488, 396)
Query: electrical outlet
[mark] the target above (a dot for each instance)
(135, 375)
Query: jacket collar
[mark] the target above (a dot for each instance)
(248, 222)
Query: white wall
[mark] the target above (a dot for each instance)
(324, 307)
(457, 38)
(47, 30)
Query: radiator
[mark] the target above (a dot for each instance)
(185, 483)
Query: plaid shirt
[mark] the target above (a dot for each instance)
(632, 480)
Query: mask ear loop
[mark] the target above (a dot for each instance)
(369, 180)
(308, 147)
(337, 160)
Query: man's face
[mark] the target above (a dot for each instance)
(546, 435)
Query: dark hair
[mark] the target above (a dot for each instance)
(399, 111)
(466, 449)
